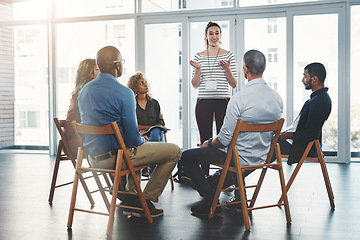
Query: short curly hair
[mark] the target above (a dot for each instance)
(133, 82)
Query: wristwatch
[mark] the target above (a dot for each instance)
(209, 141)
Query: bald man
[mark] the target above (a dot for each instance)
(105, 100)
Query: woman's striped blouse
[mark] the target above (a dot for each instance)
(212, 71)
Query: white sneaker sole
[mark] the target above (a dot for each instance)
(141, 215)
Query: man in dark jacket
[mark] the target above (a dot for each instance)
(312, 116)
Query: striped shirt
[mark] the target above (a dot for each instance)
(213, 81)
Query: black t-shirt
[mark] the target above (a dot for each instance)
(151, 115)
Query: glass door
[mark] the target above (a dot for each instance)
(316, 40)
(163, 54)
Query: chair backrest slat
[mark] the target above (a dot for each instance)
(93, 130)
(109, 129)
(242, 126)
(60, 124)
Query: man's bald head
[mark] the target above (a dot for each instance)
(108, 60)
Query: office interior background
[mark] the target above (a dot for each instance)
(43, 41)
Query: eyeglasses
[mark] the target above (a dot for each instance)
(122, 61)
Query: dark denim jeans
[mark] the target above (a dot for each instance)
(206, 186)
(192, 159)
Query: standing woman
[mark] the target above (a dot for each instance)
(86, 72)
(214, 74)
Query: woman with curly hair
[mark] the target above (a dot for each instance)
(147, 108)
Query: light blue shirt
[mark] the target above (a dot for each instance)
(256, 103)
(102, 101)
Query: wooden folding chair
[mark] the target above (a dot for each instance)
(64, 154)
(110, 129)
(319, 159)
(239, 170)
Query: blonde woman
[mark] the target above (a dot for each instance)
(86, 72)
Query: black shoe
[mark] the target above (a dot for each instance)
(204, 210)
(135, 202)
(145, 172)
(121, 196)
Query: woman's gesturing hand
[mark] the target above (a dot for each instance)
(194, 64)
(225, 64)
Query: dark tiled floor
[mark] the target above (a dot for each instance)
(26, 214)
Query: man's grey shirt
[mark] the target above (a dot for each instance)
(256, 103)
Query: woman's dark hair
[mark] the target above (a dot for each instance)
(210, 24)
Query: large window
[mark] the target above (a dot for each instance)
(31, 85)
(23, 10)
(175, 5)
(163, 72)
(246, 3)
(71, 8)
(90, 37)
(43, 41)
(274, 49)
(310, 32)
(355, 83)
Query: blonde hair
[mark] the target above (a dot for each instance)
(133, 82)
(84, 74)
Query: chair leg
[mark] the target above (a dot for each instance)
(325, 175)
(242, 192)
(218, 190)
(327, 183)
(172, 182)
(284, 194)
(136, 182)
(113, 199)
(292, 178)
(83, 183)
(55, 173)
(74, 192)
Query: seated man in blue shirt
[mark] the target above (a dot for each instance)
(256, 103)
(105, 100)
(314, 113)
